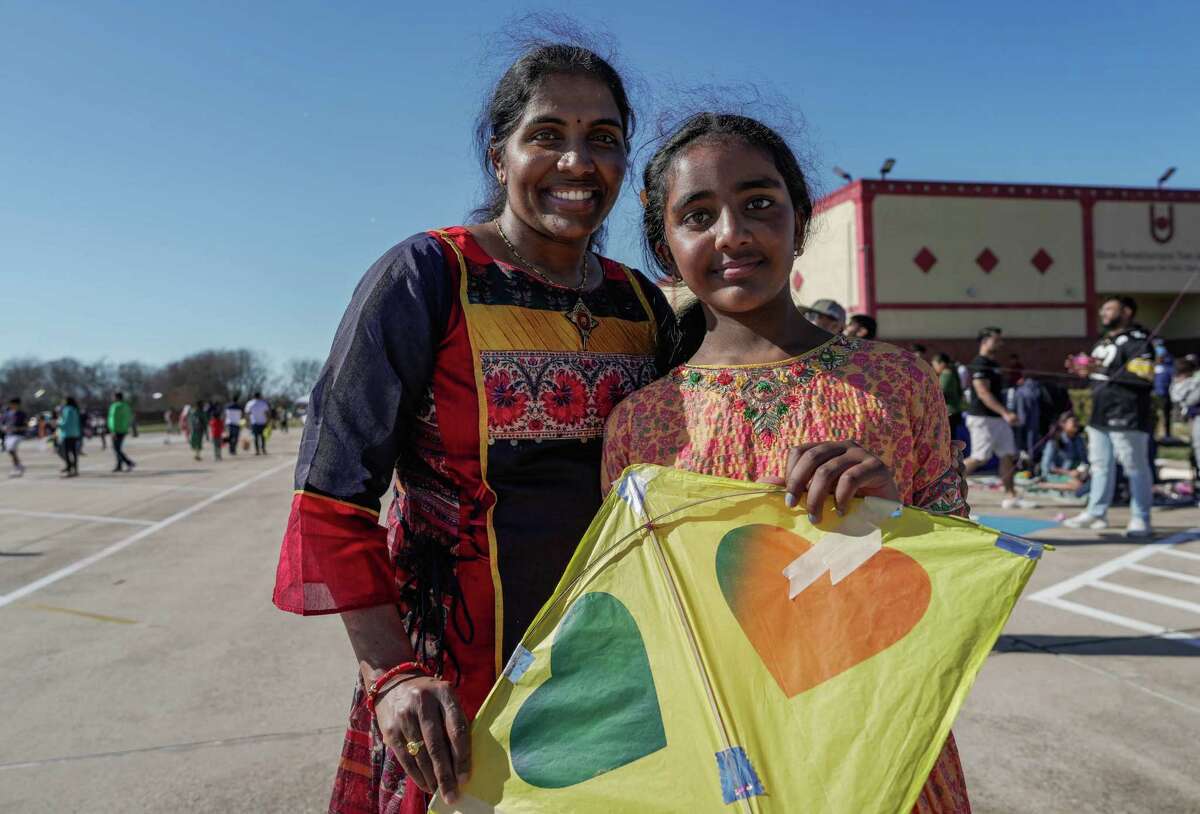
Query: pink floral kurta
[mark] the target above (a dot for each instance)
(738, 422)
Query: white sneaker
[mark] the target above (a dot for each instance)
(17, 471)
(1138, 528)
(1083, 520)
(1017, 503)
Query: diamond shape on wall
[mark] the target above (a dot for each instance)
(925, 260)
(1042, 261)
(987, 261)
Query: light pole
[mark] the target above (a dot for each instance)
(886, 168)
(1162, 179)
(839, 171)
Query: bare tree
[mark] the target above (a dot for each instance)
(299, 377)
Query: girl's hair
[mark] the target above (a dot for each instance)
(944, 358)
(508, 100)
(702, 127)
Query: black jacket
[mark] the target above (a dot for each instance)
(1121, 390)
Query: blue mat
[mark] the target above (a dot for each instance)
(1020, 526)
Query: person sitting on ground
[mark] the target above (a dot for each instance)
(1064, 457)
(861, 326)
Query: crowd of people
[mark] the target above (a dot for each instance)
(1025, 421)
(68, 426)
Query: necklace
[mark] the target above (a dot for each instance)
(537, 272)
(579, 316)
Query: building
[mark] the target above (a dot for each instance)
(935, 261)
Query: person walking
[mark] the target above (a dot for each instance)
(120, 419)
(1164, 374)
(989, 423)
(197, 428)
(14, 425)
(216, 428)
(1121, 369)
(233, 422)
(1185, 394)
(70, 431)
(259, 413)
(952, 391)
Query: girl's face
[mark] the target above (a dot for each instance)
(563, 165)
(730, 225)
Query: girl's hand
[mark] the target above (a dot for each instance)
(426, 710)
(842, 469)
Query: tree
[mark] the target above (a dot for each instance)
(299, 377)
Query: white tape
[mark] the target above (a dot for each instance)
(841, 551)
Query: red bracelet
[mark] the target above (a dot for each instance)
(378, 684)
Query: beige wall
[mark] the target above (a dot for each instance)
(829, 265)
(956, 230)
(1128, 258)
(965, 323)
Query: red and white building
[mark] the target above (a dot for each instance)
(935, 261)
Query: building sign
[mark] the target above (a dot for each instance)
(1145, 247)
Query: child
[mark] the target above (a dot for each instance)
(197, 428)
(216, 429)
(769, 395)
(1064, 458)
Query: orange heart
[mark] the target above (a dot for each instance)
(827, 628)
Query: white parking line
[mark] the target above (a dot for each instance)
(91, 518)
(1130, 561)
(103, 553)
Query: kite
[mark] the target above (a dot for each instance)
(710, 649)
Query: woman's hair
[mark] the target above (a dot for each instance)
(507, 102)
(706, 127)
(944, 358)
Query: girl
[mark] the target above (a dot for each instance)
(216, 428)
(769, 395)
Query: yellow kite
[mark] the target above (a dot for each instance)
(709, 649)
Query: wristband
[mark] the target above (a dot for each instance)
(377, 685)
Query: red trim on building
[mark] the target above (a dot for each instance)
(1089, 266)
(975, 306)
(866, 256)
(991, 189)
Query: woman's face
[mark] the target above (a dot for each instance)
(730, 225)
(563, 165)
(1071, 427)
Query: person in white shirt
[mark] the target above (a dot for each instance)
(233, 423)
(259, 413)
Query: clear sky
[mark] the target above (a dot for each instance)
(183, 175)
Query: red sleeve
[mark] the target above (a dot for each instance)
(334, 558)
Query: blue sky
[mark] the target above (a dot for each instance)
(179, 176)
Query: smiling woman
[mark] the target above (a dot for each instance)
(476, 366)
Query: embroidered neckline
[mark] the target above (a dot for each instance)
(763, 394)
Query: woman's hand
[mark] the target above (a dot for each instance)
(425, 710)
(841, 469)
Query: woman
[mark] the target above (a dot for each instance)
(197, 424)
(476, 365)
(70, 434)
(769, 396)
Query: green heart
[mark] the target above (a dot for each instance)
(598, 711)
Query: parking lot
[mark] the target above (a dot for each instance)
(145, 669)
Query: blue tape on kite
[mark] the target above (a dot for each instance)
(518, 663)
(1023, 548)
(738, 778)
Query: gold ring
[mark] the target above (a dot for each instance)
(413, 747)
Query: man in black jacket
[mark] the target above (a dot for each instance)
(1121, 369)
